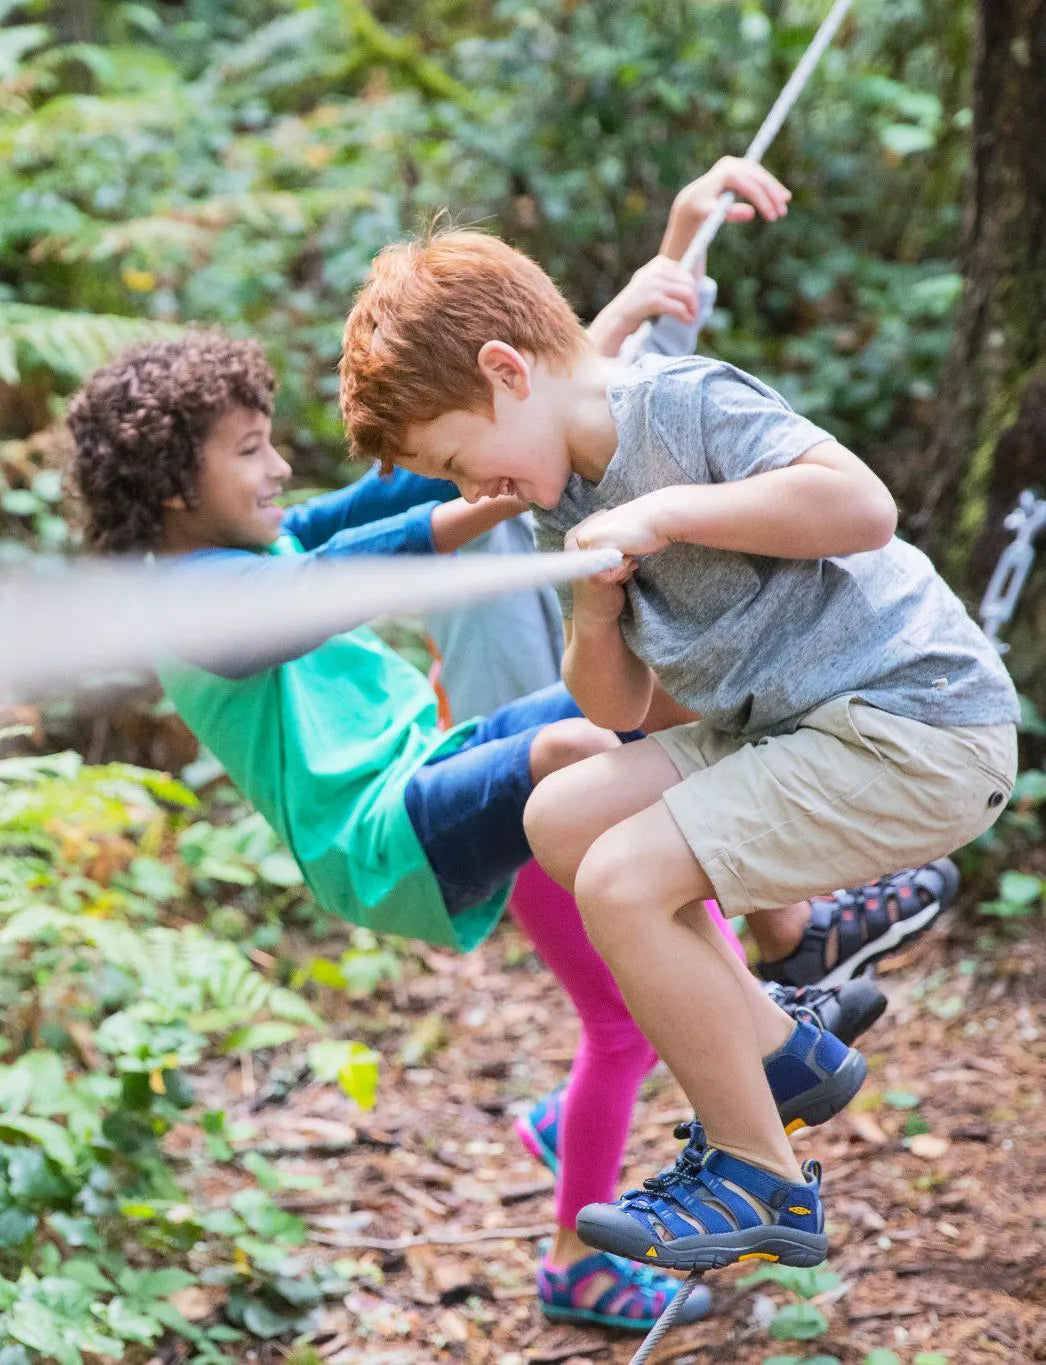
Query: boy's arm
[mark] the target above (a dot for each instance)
(662, 288)
(371, 498)
(432, 528)
(612, 686)
(825, 503)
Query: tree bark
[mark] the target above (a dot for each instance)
(991, 438)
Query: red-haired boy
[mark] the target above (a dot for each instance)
(852, 716)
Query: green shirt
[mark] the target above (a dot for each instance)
(324, 746)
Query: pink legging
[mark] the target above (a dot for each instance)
(612, 1057)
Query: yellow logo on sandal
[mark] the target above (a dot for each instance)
(797, 1208)
(652, 1252)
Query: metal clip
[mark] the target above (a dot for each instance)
(1004, 588)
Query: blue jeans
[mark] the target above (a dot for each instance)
(466, 806)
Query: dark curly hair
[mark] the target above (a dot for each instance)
(139, 422)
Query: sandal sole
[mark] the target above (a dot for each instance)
(622, 1236)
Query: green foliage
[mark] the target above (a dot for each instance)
(241, 164)
(106, 1011)
(796, 1321)
(1021, 895)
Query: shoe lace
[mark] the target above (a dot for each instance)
(802, 1002)
(686, 1164)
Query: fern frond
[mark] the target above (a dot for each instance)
(68, 344)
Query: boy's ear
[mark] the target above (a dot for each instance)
(502, 366)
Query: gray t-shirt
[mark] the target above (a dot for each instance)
(754, 643)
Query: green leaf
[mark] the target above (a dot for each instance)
(881, 1357)
(932, 1358)
(905, 139)
(1022, 888)
(8, 375)
(280, 869)
(269, 1033)
(1030, 786)
(20, 502)
(266, 1220)
(263, 1321)
(354, 1066)
(16, 1226)
(902, 1099)
(153, 878)
(804, 1281)
(47, 485)
(797, 1322)
(54, 1140)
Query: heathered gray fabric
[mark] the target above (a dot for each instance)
(498, 651)
(753, 643)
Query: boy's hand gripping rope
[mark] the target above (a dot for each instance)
(757, 148)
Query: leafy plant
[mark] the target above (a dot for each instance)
(106, 1012)
(1021, 895)
(797, 1321)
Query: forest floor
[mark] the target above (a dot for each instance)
(935, 1179)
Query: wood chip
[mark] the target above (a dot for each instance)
(928, 1147)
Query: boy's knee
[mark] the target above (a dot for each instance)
(545, 822)
(604, 890)
(566, 742)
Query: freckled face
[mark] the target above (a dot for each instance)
(241, 475)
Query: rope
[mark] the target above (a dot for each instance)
(66, 621)
(667, 1319)
(697, 250)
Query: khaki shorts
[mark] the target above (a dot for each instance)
(854, 794)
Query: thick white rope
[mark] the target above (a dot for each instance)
(695, 253)
(67, 621)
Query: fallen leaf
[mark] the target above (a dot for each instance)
(927, 1146)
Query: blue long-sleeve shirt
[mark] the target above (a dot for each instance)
(374, 516)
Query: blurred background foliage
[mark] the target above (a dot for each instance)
(240, 163)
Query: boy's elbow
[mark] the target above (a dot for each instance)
(877, 520)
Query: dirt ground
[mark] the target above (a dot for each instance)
(933, 1179)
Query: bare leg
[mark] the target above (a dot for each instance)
(575, 806)
(679, 985)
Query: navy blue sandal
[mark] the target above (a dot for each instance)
(711, 1212)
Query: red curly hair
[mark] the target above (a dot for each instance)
(413, 336)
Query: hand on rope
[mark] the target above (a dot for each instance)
(754, 191)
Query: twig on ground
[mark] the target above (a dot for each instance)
(462, 1238)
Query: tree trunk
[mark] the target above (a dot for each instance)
(991, 440)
